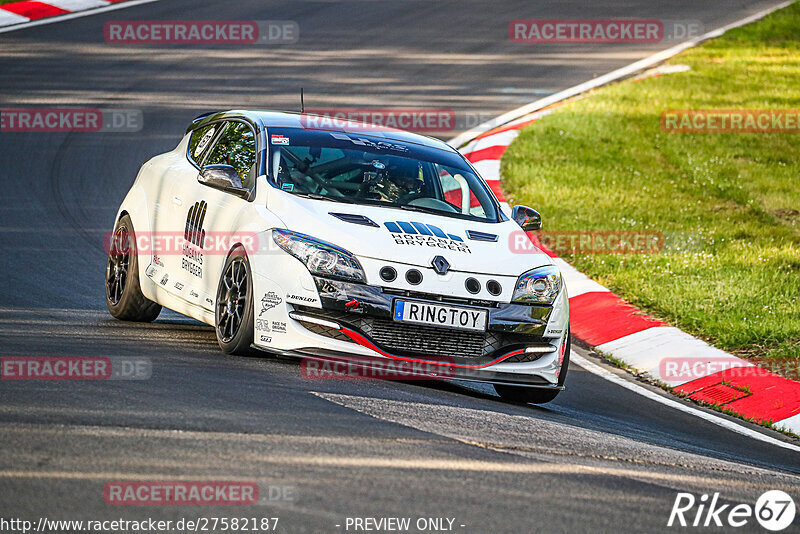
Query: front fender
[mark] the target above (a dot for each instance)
(136, 205)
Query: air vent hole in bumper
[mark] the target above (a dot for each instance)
(413, 277)
(388, 274)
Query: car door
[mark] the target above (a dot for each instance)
(174, 263)
(215, 216)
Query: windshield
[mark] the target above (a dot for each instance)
(371, 170)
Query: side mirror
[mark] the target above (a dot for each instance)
(223, 177)
(527, 218)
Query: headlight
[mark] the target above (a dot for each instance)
(539, 286)
(319, 257)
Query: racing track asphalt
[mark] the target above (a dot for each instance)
(600, 458)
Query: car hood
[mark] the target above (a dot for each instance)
(400, 235)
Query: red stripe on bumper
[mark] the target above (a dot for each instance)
(364, 342)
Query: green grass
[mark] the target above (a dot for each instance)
(8, 1)
(728, 204)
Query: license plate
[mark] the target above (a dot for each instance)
(411, 311)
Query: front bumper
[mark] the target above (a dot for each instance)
(513, 350)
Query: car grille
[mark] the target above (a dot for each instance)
(419, 340)
(424, 340)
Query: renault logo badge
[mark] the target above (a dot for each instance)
(440, 265)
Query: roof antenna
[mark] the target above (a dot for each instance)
(302, 105)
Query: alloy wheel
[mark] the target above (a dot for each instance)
(119, 262)
(232, 300)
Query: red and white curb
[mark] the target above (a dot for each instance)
(613, 326)
(21, 13)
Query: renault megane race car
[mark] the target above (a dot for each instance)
(313, 238)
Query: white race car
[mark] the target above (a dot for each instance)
(331, 239)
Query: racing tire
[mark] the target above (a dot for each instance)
(233, 312)
(536, 395)
(124, 296)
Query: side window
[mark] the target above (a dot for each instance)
(236, 147)
(200, 140)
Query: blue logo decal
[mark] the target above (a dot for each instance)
(417, 233)
(401, 227)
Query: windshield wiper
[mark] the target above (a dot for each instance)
(316, 196)
(410, 207)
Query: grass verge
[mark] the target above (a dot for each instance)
(728, 204)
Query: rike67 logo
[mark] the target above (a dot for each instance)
(774, 510)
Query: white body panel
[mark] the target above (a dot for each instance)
(166, 190)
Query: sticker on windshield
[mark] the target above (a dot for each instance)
(204, 141)
(287, 187)
(363, 141)
(279, 139)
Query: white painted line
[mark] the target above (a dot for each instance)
(645, 351)
(791, 424)
(579, 286)
(606, 78)
(7, 17)
(70, 16)
(680, 406)
(577, 282)
(663, 69)
(77, 5)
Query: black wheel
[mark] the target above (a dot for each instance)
(234, 309)
(123, 293)
(536, 395)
